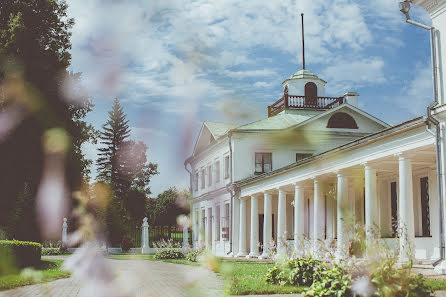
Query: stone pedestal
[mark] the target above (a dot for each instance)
(145, 236)
(64, 232)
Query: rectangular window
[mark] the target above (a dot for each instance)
(263, 162)
(196, 181)
(425, 217)
(302, 156)
(226, 166)
(394, 206)
(217, 222)
(203, 173)
(209, 175)
(217, 171)
(225, 224)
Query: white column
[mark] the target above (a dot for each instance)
(318, 216)
(267, 224)
(281, 222)
(145, 236)
(342, 210)
(235, 225)
(209, 224)
(299, 218)
(242, 235)
(370, 202)
(64, 232)
(200, 228)
(185, 237)
(254, 248)
(406, 215)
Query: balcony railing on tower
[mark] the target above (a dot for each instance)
(303, 102)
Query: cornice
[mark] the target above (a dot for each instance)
(431, 6)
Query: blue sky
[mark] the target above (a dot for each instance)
(177, 63)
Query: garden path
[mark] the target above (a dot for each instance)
(134, 278)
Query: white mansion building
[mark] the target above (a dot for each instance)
(314, 162)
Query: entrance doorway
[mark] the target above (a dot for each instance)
(261, 220)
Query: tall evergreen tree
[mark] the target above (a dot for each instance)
(114, 134)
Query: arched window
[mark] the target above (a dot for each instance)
(342, 120)
(310, 94)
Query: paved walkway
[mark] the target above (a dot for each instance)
(134, 278)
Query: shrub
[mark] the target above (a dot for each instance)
(192, 256)
(305, 271)
(391, 281)
(51, 251)
(126, 244)
(19, 254)
(275, 276)
(334, 282)
(300, 272)
(169, 253)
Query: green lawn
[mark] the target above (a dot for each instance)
(48, 270)
(248, 278)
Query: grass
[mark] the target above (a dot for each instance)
(48, 270)
(436, 284)
(246, 278)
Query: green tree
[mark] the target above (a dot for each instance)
(115, 132)
(134, 170)
(34, 57)
(169, 205)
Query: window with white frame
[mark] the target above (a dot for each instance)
(209, 175)
(227, 166)
(203, 173)
(263, 162)
(196, 181)
(217, 171)
(217, 222)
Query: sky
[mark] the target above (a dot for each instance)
(176, 63)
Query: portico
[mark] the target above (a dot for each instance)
(379, 181)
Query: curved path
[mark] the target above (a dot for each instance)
(134, 278)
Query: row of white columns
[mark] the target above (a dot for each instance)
(406, 215)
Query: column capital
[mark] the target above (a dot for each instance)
(341, 173)
(298, 185)
(402, 156)
(283, 189)
(269, 192)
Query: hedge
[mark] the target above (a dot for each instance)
(19, 254)
(51, 251)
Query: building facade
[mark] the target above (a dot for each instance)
(318, 164)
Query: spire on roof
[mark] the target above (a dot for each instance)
(303, 43)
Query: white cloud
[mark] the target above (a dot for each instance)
(347, 75)
(418, 92)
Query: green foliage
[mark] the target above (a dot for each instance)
(122, 164)
(168, 206)
(34, 58)
(115, 132)
(51, 251)
(335, 282)
(169, 254)
(16, 254)
(46, 271)
(390, 281)
(192, 256)
(275, 276)
(305, 271)
(299, 272)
